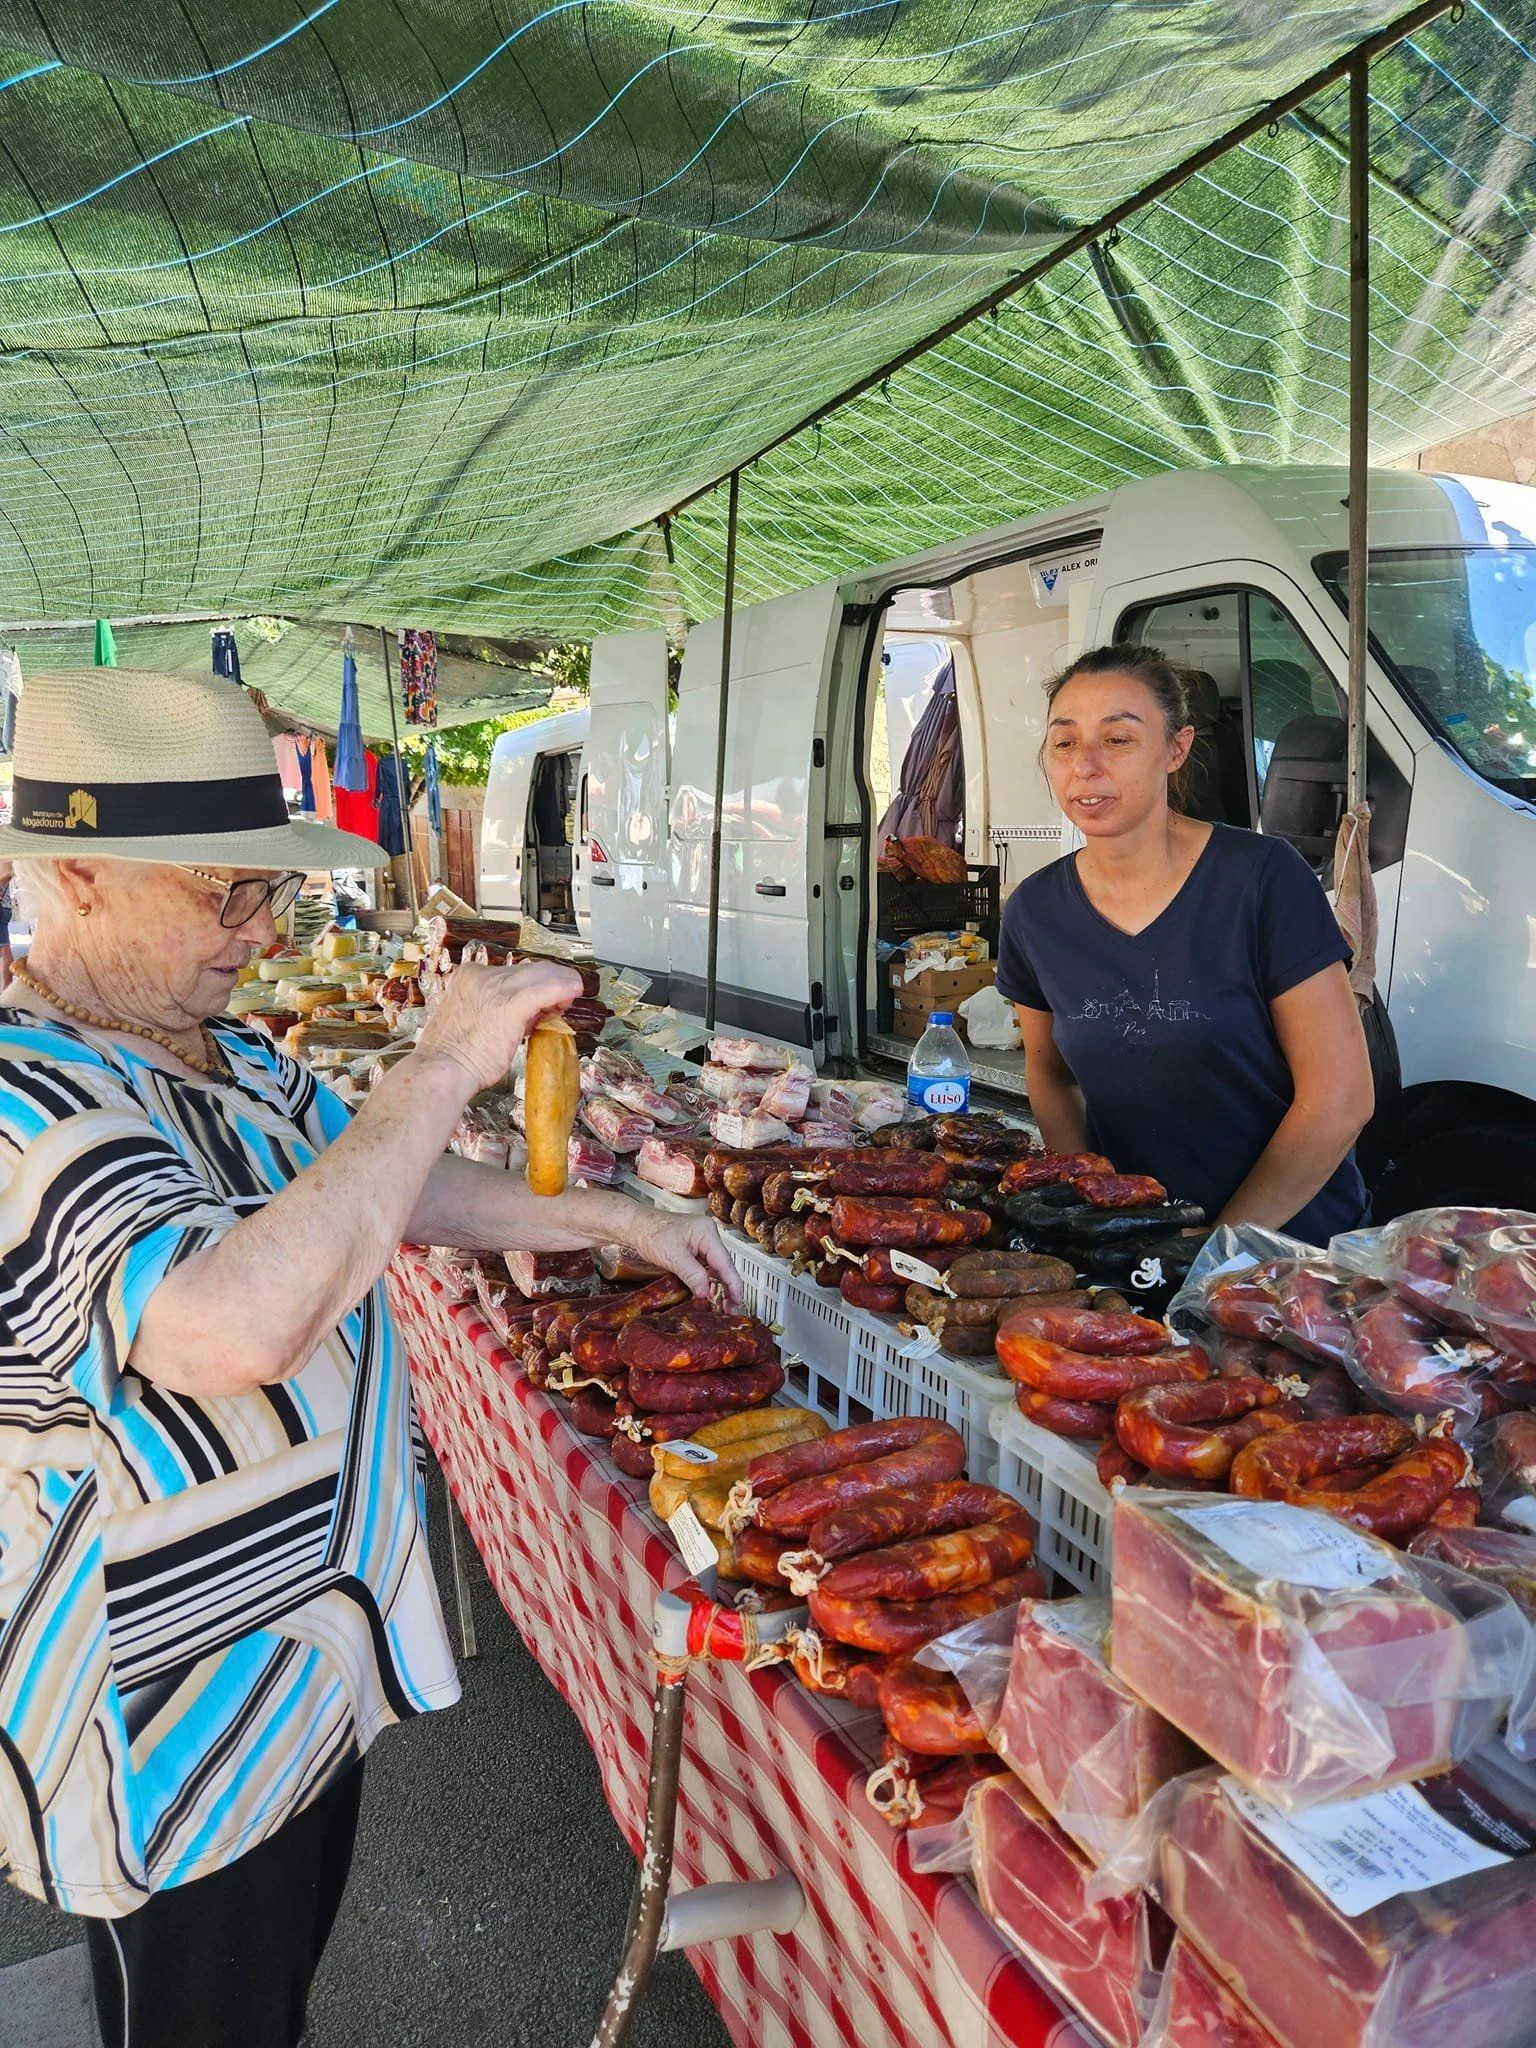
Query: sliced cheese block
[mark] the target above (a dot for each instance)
(337, 946)
(285, 966)
(258, 995)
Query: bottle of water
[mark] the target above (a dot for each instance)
(939, 1071)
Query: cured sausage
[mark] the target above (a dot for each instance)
(757, 1556)
(789, 1239)
(719, 1392)
(865, 1170)
(855, 1445)
(1330, 1393)
(1397, 1350)
(927, 1712)
(830, 1668)
(976, 1132)
(943, 1312)
(593, 1411)
(1247, 1304)
(876, 1263)
(1197, 1429)
(1077, 1376)
(1120, 1190)
(1087, 1419)
(588, 1349)
(859, 1292)
(1050, 1169)
(757, 1165)
(892, 1626)
(1091, 1226)
(779, 1191)
(552, 1091)
(826, 1273)
(1084, 1329)
(1398, 1502)
(1271, 1468)
(938, 1453)
(1116, 1467)
(719, 1205)
(864, 1220)
(695, 1340)
(1459, 1510)
(924, 1566)
(1004, 1275)
(931, 1510)
(1314, 1309)
(632, 1459)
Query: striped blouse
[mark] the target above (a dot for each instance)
(207, 1608)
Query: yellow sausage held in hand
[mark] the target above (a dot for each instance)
(552, 1091)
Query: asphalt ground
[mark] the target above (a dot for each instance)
(488, 1896)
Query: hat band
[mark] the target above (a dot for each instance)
(147, 810)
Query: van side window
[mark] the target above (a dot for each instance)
(1248, 673)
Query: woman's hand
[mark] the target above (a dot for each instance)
(487, 1012)
(690, 1247)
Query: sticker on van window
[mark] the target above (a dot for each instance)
(1052, 578)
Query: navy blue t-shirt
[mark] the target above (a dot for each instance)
(1168, 1033)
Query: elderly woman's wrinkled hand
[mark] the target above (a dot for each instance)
(487, 1012)
(692, 1248)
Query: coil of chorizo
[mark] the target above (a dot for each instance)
(1398, 1502)
(933, 1509)
(1271, 1468)
(859, 1292)
(1051, 1169)
(594, 1340)
(893, 1626)
(863, 1170)
(854, 1445)
(1087, 1420)
(719, 1392)
(1120, 1190)
(593, 1411)
(835, 1670)
(867, 1220)
(1086, 1329)
(1006, 1275)
(937, 1453)
(757, 1556)
(1078, 1376)
(1197, 1429)
(695, 1340)
(924, 1566)
(876, 1262)
(927, 1712)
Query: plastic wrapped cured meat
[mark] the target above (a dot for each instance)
(1196, 2010)
(1090, 1751)
(788, 1095)
(1421, 1256)
(750, 1054)
(1315, 1662)
(736, 1087)
(566, 1273)
(1449, 1966)
(620, 1129)
(673, 1164)
(1102, 1956)
(1508, 1558)
(748, 1130)
(1496, 1287)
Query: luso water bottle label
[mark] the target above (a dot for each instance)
(946, 1097)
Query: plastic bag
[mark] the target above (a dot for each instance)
(1102, 1956)
(1507, 1557)
(1507, 1460)
(1496, 1285)
(990, 1020)
(1450, 1966)
(1234, 1285)
(1420, 1255)
(1196, 2010)
(1313, 1661)
(1409, 1364)
(1089, 1750)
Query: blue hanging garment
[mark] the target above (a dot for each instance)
(386, 793)
(226, 655)
(350, 772)
(306, 776)
(434, 791)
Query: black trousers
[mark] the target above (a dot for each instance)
(227, 1960)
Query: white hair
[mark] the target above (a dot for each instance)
(39, 887)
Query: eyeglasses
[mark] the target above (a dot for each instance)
(245, 899)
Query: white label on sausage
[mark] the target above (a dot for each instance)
(1359, 1852)
(694, 1542)
(917, 1269)
(1296, 1545)
(922, 1344)
(692, 1453)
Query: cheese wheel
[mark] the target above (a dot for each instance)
(256, 996)
(284, 967)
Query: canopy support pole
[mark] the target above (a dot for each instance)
(726, 621)
(402, 783)
(1359, 419)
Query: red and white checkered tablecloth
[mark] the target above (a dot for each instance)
(772, 1777)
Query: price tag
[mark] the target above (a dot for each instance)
(1274, 1541)
(695, 1544)
(917, 1269)
(691, 1453)
(922, 1345)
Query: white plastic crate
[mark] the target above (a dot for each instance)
(762, 1276)
(1057, 1481)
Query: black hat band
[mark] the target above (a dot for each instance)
(147, 810)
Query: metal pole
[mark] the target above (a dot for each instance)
(401, 782)
(720, 735)
(648, 1913)
(1359, 416)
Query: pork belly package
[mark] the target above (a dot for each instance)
(1090, 1751)
(1195, 2009)
(1314, 1662)
(1405, 1919)
(1101, 1956)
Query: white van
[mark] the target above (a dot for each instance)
(1239, 576)
(533, 843)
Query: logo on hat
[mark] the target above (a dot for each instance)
(82, 811)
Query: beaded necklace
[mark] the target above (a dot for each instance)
(212, 1066)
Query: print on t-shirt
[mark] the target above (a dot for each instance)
(1126, 1010)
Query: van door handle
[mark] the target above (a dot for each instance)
(771, 889)
(605, 881)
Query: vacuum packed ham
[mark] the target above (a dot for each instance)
(620, 1129)
(673, 1164)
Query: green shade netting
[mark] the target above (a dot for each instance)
(421, 311)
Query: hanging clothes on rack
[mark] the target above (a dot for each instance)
(351, 773)
(434, 790)
(286, 748)
(226, 655)
(386, 790)
(418, 677)
(315, 774)
(306, 777)
(357, 810)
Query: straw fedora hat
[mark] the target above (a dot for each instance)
(128, 764)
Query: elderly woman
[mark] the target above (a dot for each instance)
(214, 1580)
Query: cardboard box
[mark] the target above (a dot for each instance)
(939, 990)
(911, 1024)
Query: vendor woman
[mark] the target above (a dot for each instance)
(214, 1582)
(1181, 988)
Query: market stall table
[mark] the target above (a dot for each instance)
(773, 1777)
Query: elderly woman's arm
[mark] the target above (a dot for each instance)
(253, 1308)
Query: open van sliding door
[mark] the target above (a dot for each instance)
(770, 958)
(626, 822)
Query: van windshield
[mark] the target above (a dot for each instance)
(1456, 628)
